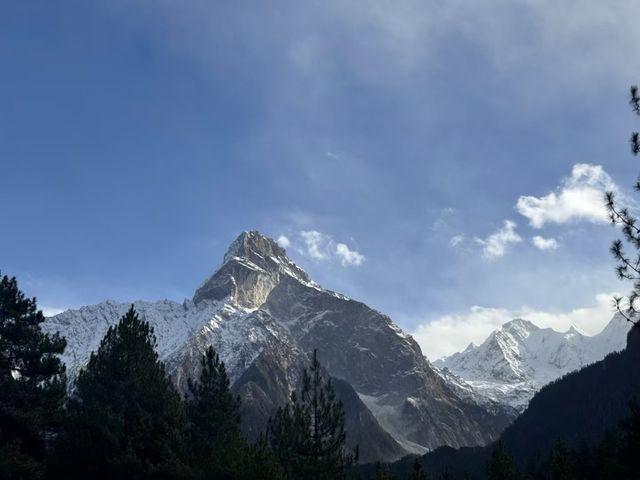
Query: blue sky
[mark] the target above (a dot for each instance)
(431, 140)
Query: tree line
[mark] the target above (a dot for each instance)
(616, 456)
(124, 418)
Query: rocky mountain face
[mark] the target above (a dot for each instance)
(265, 316)
(516, 360)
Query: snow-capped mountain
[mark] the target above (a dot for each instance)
(264, 315)
(516, 360)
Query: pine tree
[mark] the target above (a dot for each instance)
(559, 465)
(260, 462)
(629, 447)
(32, 385)
(584, 461)
(307, 435)
(627, 268)
(417, 473)
(380, 473)
(501, 465)
(445, 475)
(125, 419)
(214, 419)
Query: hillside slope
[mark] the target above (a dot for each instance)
(580, 406)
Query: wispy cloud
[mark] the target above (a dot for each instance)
(579, 197)
(411, 35)
(348, 256)
(442, 221)
(456, 241)
(496, 244)
(542, 243)
(317, 245)
(320, 246)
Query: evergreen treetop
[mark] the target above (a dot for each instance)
(32, 384)
(125, 419)
(216, 445)
(627, 266)
(501, 466)
(307, 435)
(417, 473)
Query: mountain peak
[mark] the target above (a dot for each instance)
(523, 323)
(573, 330)
(253, 265)
(470, 347)
(520, 326)
(252, 245)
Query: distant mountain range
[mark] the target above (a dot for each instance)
(576, 410)
(519, 358)
(264, 315)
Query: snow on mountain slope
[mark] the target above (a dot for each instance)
(519, 358)
(265, 316)
(228, 326)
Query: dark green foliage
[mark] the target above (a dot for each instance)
(560, 464)
(307, 435)
(125, 419)
(216, 448)
(580, 406)
(442, 463)
(501, 464)
(630, 442)
(446, 475)
(32, 385)
(417, 473)
(614, 457)
(627, 266)
(634, 101)
(260, 462)
(382, 473)
(215, 442)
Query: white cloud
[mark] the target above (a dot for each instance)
(348, 256)
(316, 243)
(542, 243)
(442, 222)
(496, 244)
(283, 241)
(320, 246)
(456, 241)
(579, 197)
(453, 333)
